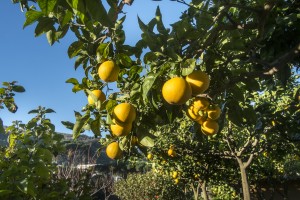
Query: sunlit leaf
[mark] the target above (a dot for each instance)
(31, 17)
(47, 6)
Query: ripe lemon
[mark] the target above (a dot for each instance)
(120, 130)
(150, 156)
(210, 127)
(176, 181)
(174, 174)
(98, 94)
(201, 120)
(124, 113)
(171, 152)
(108, 71)
(200, 103)
(191, 114)
(199, 82)
(113, 151)
(176, 91)
(214, 113)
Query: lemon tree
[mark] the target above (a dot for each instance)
(7, 93)
(228, 53)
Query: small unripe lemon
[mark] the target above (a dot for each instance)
(108, 71)
(176, 91)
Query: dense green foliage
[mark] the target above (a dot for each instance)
(27, 163)
(148, 186)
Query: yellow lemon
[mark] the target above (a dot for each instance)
(199, 82)
(210, 127)
(176, 91)
(108, 71)
(124, 113)
(113, 151)
(98, 94)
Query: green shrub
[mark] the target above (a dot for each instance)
(148, 186)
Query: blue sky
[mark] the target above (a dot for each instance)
(43, 69)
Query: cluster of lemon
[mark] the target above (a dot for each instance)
(123, 114)
(179, 90)
(205, 114)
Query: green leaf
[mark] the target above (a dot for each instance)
(10, 105)
(49, 110)
(66, 18)
(18, 88)
(79, 8)
(150, 57)
(47, 6)
(284, 74)
(68, 125)
(44, 25)
(98, 12)
(142, 26)
(124, 59)
(235, 113)
(188, 66)
(119, 23)
(31, 17)
(74, 81)
(51, 37)
(108, 119)
(110, 104)
(103, 51)
(95, 126)
(27, 186)
(75, 48)
(80, 122)
(4, 193)
(41, 170)
(34, 111)
(160, 26)
(145, 139)
(148, 83)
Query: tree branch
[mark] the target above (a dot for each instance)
(248, 161)
(276, 65)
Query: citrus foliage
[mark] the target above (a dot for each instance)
(248, 49)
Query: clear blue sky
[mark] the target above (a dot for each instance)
(43, 69)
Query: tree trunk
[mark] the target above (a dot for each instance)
(203, 187)
(195, 191)
(245, 184)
